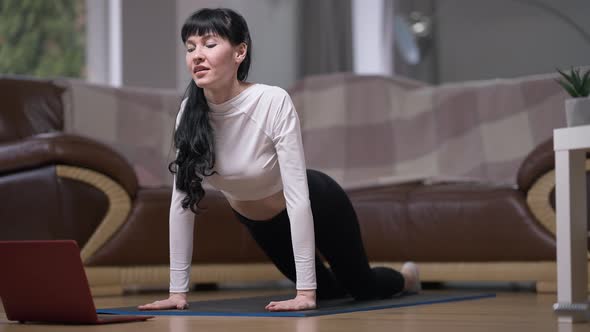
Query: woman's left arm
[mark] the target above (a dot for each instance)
(289, 146)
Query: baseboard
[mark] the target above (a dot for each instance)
(112, 280)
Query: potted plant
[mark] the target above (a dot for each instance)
(577, 108)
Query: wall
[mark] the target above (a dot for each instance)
(148, 43)
(483, 39)
(97, 47)
(473, 39)
(372, 43)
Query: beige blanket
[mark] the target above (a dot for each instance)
(136, 122)
(374, 131)
(362, 130)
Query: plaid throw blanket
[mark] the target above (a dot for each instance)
(136, 122)
(364, 131)
(373, 131)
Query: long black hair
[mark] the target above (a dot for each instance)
(194, 139)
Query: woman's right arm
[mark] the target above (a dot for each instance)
(182, 223)
(181, 227)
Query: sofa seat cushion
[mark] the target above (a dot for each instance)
(451, 222)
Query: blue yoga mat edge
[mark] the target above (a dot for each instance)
(293, 314)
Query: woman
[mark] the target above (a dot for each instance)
(245, 139)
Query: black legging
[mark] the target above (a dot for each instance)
(337, 238)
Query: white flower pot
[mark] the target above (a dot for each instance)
(577, 111)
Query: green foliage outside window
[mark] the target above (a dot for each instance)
(42, 38)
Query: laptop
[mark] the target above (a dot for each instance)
(44, 281)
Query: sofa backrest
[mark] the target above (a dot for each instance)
(381, 131)
(136, 122)
(29, 107)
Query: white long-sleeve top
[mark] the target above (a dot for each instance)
(259, 152)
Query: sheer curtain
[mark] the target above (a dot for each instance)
(325, 37)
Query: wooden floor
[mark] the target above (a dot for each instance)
(509, 311)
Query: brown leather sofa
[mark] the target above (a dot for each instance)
(59, 186)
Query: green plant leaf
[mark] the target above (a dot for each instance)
(572, 92)
(564, 75)
(567, 82)
(585, 88)
(577, 79)
(569, 79)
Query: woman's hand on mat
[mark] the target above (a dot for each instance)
(304, 300)
(175, 301)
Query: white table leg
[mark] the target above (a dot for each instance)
(570, 204)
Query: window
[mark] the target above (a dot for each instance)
(43, 38)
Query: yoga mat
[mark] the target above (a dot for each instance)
(254, 306)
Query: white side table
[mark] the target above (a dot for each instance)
(570, 145)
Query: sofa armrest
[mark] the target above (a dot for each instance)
(537, 163)
(60, 148)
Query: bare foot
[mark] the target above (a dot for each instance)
(411, 275)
